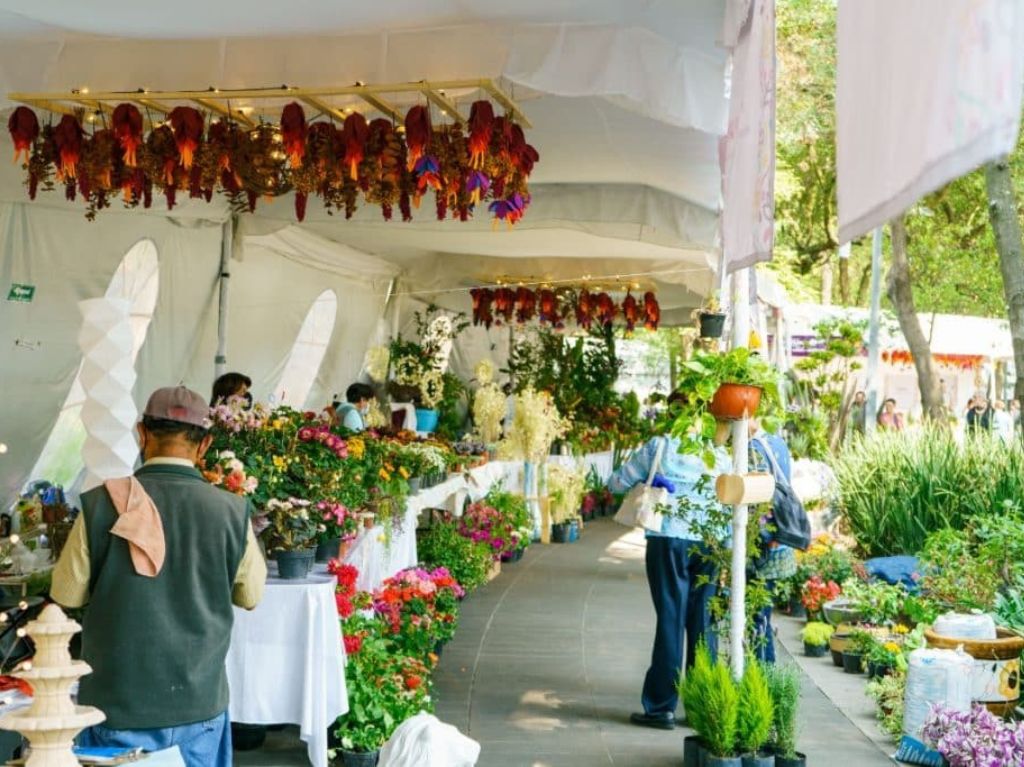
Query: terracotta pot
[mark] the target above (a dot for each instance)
(734, 401)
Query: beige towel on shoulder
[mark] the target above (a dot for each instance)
(139, 523)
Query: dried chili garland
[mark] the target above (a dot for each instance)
(360, 162)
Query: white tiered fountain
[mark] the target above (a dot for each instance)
(53, 720)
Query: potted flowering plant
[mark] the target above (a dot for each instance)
(224, 470)
(441, 545)
(711, 318)
(419, 608)
(291, 528)
(883, 657)
(483, 523)
(816, 635)
(339, 526)
(565, 491)
(513, 507)
(815, 593)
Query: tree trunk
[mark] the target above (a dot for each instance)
(826, 282)
(1002, 212)
(844, 276)
(902, 297)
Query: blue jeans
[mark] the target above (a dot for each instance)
(763, 634)
(202, 744)
(682, 579)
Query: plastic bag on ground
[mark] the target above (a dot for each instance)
(965, 626)
(425, 741)
(933, 677)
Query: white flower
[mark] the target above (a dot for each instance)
(226, 455)
(488, 411)
(407, 371)
(431, 388)
(485, 371)
(375, 418)
(535, 425)
(376, 362)
(234, 465)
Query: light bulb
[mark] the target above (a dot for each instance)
(21, 633)
(3, 448)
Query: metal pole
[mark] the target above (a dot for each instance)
(873, 350)
(740, 436)
(220, 362)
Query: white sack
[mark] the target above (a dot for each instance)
(425, 741)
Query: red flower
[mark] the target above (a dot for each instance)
(353, 644)
(344, 604)
(413, 681)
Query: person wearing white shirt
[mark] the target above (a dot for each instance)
(1002, 421)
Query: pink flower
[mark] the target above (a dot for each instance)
(306, 434)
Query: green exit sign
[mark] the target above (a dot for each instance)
(22, 293)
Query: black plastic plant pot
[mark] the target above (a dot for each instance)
(359, 758)
(837, 658)
(710, 760)
(294, 565)
(712, 324)
(758, 760)
(853, 663)
(560, 532)
(815, 650)
(797, 609)
(798, 760)
(327, 550)
(878, 670)
(693, 751)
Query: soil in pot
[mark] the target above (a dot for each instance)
(327, 550)
(693, 751)
(734, 401)
(712, 324)
(758, 760)
(815, 650)
(359, 758)
(853, 663)
(293, 565)
(798, 760)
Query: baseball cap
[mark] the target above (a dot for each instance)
(179, 403)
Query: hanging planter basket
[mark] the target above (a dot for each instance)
(735, 401)
(712, 324)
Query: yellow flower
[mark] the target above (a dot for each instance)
(277, 424)
(384, 475)
(356, 448)
(280, 462)
(404, 472)
(901, 629)
(891, 647)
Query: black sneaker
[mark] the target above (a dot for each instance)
(666, 721)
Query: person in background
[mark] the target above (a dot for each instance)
(158, 560)
(351, 414)
(858, 413)
(889, 419)
(770, 453)
(1002, 422)
(1015, 414)
(231, 385)
(980, 416)
(680, 572)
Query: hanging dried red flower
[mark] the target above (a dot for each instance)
(505, 303)
(187, 123)
(354, 135)
(24, 127)
(126, 123)
(548, 306)
(605, 309)
(482, 300)
(481, 125)
(526, 303)
(584, 309)
(631, 311)
(67, 137)
(652, 311)
(418, 133)
(293, 133)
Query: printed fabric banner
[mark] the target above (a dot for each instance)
(925, 93)
(747, 150)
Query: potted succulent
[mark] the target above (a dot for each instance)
(693, 691)
(784, 686)
(291, 529)
(730, 385)
(816, 635)
(711, 318)
(756, 716)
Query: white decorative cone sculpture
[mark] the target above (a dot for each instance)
(108, 376)
(53, 720)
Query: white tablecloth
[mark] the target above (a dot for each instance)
(376, 560)
(286, 664)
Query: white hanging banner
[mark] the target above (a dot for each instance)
(747, 151)
(923, 96)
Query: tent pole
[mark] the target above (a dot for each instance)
(740, 437)
(873, 351)
(220, 362)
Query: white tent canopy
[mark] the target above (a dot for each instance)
(628, 102)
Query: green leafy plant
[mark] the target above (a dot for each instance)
(756, 712)
(860, 642)
(888, 693)
(513, 507)
(699, 379)
(817, 634)
(885, 652)
(784, 687)
(1009, 607)
(876, 601)
(721, 707)
(442, 545)
(898, 487)
(956, 576)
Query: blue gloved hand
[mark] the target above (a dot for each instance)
(660, 481)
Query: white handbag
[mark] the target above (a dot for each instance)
(640, 506)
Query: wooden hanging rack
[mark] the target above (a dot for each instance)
(220, 101)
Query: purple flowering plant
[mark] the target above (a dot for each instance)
(482, 523)
(975, 738)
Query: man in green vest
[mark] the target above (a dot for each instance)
(157, 560)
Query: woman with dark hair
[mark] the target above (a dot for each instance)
(231, 385)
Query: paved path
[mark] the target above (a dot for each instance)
(547, 664)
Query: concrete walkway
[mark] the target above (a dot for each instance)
(548, 661)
